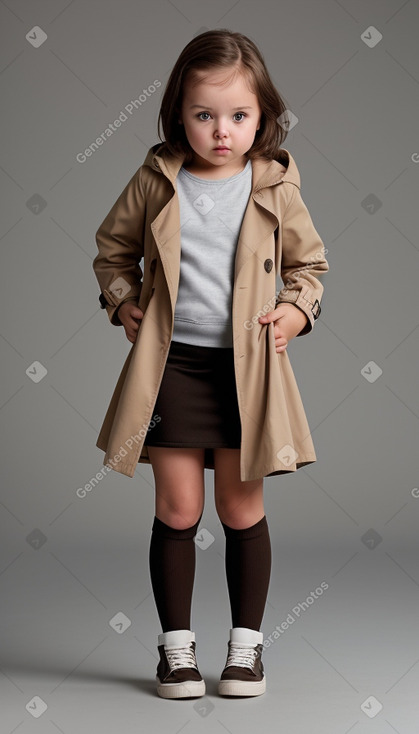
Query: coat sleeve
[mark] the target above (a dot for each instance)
(302, 261)
(121, 247)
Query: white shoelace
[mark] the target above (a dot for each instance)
(181, 657)
(243, 656)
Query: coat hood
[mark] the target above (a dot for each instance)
(265, 172)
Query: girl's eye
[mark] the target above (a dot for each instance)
(199, 115)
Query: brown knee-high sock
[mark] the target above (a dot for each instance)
(248, 569)
(172, 571)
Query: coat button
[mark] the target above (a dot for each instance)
(268, 265)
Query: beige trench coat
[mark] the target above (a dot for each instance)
(277, 236)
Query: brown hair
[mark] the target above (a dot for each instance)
(214, 50)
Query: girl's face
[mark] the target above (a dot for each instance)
(213, 116)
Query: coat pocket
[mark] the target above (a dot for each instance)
(148, 286)
(145, 299)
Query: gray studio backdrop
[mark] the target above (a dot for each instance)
(78, 614)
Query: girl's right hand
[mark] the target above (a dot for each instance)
(130, 316)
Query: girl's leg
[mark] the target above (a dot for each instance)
(180, 492)
(248, 550)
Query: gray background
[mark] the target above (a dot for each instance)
(70, 564)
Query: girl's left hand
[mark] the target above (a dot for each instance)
(288, 322)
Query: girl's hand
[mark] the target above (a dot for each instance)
(288, 322)
(130, 316)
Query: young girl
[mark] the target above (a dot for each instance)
(216, 212)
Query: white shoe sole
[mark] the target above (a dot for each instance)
(188, 689)
(241, 687)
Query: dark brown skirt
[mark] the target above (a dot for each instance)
(197, 399)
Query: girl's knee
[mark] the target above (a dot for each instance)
(177, 516)
(239, 517)
(179, 484)
(238, 509)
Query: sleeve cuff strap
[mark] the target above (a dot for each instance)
(312, 310)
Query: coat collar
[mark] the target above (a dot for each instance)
(260, 218)
(265, 173)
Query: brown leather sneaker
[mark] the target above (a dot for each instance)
(177, 671)
(243, 674)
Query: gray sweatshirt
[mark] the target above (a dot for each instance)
(211, 215)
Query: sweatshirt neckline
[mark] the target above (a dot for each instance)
(234, 177)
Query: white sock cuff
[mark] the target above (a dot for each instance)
(176, 638)
(245, 635)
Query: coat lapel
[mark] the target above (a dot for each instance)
(260, 216)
